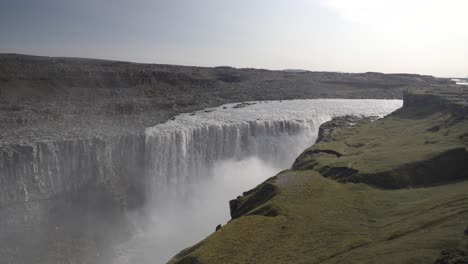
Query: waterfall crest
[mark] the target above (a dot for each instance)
(180, 152)
(175, 153)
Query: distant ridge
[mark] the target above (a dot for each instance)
(294, 70)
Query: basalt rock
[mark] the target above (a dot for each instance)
(327, 129)
(453, 256)
(254, 201)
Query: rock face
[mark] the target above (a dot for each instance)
(326, 134)
(255, 199)
(454, 100)
(41, 171)
(327, 129)
(453, 256)
(51, 192)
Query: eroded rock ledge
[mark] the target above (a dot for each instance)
(422, 144)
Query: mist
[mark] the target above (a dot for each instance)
(180, 222)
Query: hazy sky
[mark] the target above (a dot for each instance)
(416, 36)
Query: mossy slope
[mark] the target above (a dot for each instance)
(415, 146)
(323, 221)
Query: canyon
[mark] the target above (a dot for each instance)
(90, 148)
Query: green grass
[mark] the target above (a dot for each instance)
(411, 147)
(323, 221)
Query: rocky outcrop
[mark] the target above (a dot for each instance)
(326, 134)
(453, 99)
(257, 199)
(327, 129)
(453, 256)
(448, 166)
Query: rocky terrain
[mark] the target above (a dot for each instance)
(43, 98)
(387, 191)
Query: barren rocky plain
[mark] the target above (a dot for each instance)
(45, 98)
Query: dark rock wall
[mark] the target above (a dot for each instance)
(454, 100)
(40, 171)
(59, 196)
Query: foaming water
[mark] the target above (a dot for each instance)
(197, 162)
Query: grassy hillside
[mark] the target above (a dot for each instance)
(300, 216)
(323, 221)
(421, 144)
(411, 147)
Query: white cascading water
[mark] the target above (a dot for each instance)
(197, 162)
(180, 154)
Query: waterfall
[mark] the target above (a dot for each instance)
(181, 151)
(197, 161)
(178, 155)
(175, 153)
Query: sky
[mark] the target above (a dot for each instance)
(412, 36)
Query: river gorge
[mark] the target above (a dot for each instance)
(173, 182)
